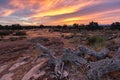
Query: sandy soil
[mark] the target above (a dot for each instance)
(18, 57)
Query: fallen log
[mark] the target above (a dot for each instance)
(100, 68)
(68, 55)
(96, 69)
(58, 63)
(99, 55)
(117, 54)
(118, 50)
(103, 67)
(45, 50)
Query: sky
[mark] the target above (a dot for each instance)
(58, 12)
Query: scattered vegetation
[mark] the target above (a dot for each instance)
(12, 38)
(20, 33)
(65, 28)
(115, 26)
(97, 42)
(78, 60)
(94, 26)
(5, 32)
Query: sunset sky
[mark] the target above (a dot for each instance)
(58, 12)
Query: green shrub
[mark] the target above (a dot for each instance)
(97, 42)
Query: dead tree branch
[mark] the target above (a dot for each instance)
(99, 55)
(100, 68)
(96, 69)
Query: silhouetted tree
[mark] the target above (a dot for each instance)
(82, 27)
(76, 25)
(41, 26)
(94, 26)
(115, 25)
(16, 27)
(64, 26)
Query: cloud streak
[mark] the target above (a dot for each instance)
(58, 12)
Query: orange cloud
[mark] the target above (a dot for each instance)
(6, 12)
(102, 18)
(60, 10)
(56, 12)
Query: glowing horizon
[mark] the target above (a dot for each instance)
(58, 12)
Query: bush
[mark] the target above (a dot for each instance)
(5, 32)
(20, 33)
(94, 26)
(97, 42)
(115, 26)
(12, 39)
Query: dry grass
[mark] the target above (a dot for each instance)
(97, 42)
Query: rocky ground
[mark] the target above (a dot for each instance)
(22, 60)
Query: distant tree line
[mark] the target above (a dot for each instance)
(91, 26)
(19, 27)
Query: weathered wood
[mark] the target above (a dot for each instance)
(45, 50)
(96, 69)
(72, 57)
(118, 50)
(56, 62)
(117, 56)
(99, 55)
(102, 67)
